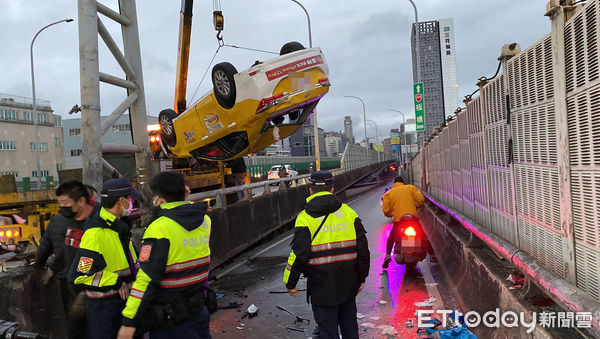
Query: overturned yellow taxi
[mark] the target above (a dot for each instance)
(250, 110)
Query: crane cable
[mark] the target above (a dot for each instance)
(205, 72)
(218, 22)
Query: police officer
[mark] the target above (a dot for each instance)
(330, 248)
(169, 297)
(105, 262)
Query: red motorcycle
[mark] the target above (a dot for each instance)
(410, 242)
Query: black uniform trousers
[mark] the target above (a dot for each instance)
(329, 318)
(104, 316)
(197, 327)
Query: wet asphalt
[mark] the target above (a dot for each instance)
(385, 306)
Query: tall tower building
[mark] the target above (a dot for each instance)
(348, 129)
(448, 54)
(437, 56)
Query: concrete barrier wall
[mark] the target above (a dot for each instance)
(25, 300)
(477, 278)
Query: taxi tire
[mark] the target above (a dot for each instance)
(166, 116)
(226, 100)
(291, 47)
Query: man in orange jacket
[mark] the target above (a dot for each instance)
(400, 200)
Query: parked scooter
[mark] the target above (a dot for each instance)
(411, 243)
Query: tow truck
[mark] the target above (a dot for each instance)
(244, 112)
(23, 217)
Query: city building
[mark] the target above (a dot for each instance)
(408, 132)
(348, 134)
(387, 147)
(302, 141)
(333, 144)
(449, 76)
(437, 56)
(119, 133)
(17, 139)
(281, 147)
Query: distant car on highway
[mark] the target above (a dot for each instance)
(247, 111)
(281, 171)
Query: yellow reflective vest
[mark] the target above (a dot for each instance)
(335, 259)
(174, 261)
(105, 258)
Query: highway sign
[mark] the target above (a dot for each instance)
(419, 106)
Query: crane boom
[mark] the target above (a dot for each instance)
(183, 54)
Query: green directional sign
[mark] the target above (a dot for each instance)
(419, 107)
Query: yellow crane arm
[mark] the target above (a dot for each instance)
(183, 54)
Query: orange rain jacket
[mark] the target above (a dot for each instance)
(400, 200)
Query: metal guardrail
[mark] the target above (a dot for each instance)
(561, 291)
(244, 188)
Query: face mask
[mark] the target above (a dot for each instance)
(67, 212)
(127, 210)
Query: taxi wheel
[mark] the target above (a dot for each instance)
(291, 47)
(224, 84)
(167, 130)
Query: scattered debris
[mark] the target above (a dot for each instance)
(298, 318)
(435, 322)
(516, 278)
(252, 311)
(368, 325)
(388, 330)
(294, 329)
(220, 295)
(359, 316)
(515, 287)
(427, 303)
(239, 328)
(382, 302)
(432, 284)
(283, 292)
(374, 318)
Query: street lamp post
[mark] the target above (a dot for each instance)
(403, 134)
(307, 18)
(314, 113)
(35, 118)
(364, 123)
(418, 57)
(417, 51)
(376, 137)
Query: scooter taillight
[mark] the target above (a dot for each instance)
(410, 232)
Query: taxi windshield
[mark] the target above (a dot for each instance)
(223, 148)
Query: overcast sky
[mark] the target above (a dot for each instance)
(366, 44)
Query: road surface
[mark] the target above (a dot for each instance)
(387, 300)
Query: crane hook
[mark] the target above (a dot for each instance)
(220, 39)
